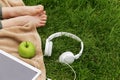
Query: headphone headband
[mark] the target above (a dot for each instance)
(58, 34)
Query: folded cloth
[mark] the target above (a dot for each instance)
(11, 37)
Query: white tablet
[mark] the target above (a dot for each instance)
(12, 68)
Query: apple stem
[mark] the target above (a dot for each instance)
(26, 44)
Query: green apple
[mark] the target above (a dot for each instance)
(26, 49)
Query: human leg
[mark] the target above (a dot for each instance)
(10, 12)
(22, 20)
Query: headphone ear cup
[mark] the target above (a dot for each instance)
(67, 57)
(48, 48)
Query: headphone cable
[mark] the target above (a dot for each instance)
(69, 67)
(72, 70)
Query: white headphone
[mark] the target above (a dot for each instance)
(66, 57)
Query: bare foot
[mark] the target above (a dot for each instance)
(10, 12)
(22, 20)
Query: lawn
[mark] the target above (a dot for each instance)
(97, 23)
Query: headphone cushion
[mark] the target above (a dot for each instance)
(67, 57)
(48, 48)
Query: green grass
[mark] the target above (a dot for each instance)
(97, 23)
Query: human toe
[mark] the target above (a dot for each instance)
(43, 17)
(39, 9)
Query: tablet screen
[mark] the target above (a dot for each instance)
(12, 68)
